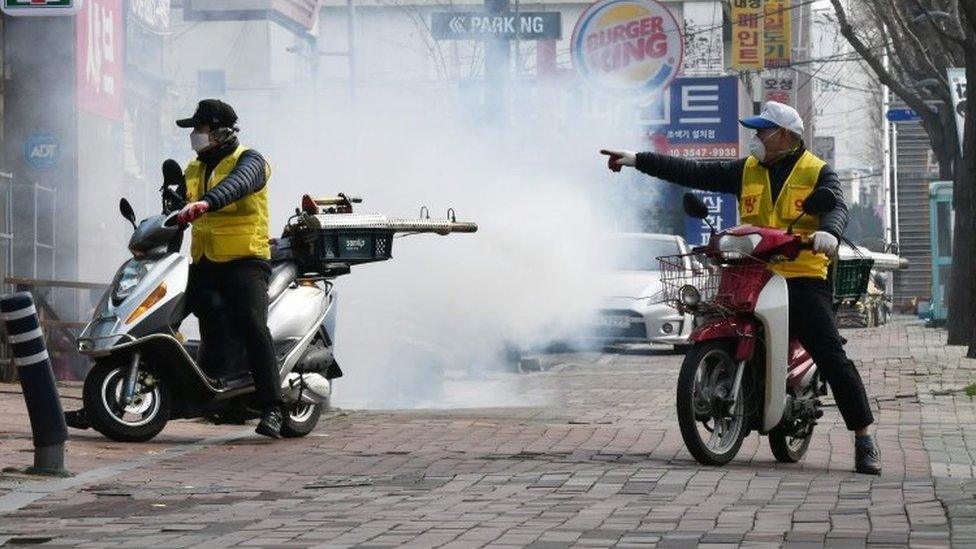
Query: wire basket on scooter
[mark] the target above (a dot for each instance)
(722, 287)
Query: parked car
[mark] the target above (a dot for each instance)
(631, 308)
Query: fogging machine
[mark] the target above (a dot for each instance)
(326, 237)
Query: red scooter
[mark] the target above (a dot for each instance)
(743, 371)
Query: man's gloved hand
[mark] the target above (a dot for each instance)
(192, 211)
(618, 159)
(824, 242)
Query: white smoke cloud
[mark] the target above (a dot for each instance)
(448, 307)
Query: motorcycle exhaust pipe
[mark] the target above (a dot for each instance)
(316, 360)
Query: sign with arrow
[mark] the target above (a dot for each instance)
(475, 26)
(902, 115)
(35, 8)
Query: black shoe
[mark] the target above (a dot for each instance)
(77, 419)
(270, 424)
(867, 459)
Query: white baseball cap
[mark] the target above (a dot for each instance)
(775, 115)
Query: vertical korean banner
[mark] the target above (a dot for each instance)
(747, 35)
(99, 62)
(957, 89)
(698, 119)
(777, 29)
(779, 85)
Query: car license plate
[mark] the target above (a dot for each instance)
(614, 321)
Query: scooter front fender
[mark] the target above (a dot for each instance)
(173, 362)
(773, 310)
(742, 329)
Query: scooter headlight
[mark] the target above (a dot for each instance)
(737, 247)
(128, 277)
(690, 296)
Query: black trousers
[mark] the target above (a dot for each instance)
(813, 322)
(239, 290)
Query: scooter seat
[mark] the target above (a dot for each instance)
(283, 273)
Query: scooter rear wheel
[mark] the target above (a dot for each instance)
(139, 421)
(301, 420)
(705, 381)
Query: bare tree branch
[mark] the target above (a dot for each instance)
(939, 31)
(905, 29)
(913, 99)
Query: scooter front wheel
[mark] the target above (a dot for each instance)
(712, 419)
(138, 421)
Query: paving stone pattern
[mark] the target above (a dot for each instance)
(602, 464)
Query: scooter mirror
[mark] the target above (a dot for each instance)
(694, 207)
(819, 202)
(126, 210)
(172, 173)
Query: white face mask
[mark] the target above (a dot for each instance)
(757, 148)
(199, 140)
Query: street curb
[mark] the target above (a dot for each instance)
(23, 496)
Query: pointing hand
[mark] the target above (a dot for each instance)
(618, 159)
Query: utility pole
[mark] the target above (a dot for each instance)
(803, 81)
(886, 152)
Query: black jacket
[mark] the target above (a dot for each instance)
(726, 177)
(247, 176)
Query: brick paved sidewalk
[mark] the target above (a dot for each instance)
(601, 464)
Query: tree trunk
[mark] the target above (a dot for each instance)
(965, 216)
(959, 323)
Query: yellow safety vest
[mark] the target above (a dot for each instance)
(756, 207)
(237, 230)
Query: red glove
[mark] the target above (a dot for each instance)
(192, 211)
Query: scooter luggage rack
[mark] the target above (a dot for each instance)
(725, 287)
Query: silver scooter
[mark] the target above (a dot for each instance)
(145, 373)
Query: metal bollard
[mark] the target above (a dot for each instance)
(37, 383)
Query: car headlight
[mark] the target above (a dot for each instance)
(128, 277)
(737, 247)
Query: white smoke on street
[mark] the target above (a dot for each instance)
(448, 308)
(432, 326)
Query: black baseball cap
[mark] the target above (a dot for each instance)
(212, 112)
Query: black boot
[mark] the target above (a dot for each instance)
(270, 424)
(867, 458)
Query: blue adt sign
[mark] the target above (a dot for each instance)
(41, 150)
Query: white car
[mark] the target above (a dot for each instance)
(631, 308)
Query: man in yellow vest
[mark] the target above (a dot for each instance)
(227, 197)
(771, 184)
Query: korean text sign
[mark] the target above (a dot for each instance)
(747, 34)
(99, 58)
(776, 33)
(957, 89)
(698, 119)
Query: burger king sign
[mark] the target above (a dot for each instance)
(629, 49)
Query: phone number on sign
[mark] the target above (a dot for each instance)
(705, 152)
